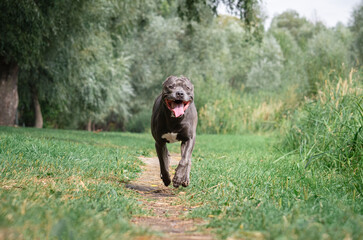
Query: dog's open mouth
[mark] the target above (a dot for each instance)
(178, 107)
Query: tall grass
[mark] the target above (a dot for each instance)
(239, 112)
(328, 132)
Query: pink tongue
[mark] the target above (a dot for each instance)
(178, 109)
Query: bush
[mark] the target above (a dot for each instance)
(140, 122)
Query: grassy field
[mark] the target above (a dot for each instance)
(67, 184)
(70, 184)
(248, 189)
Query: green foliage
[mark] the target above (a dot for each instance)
(102, 85)
(265, 71)
(85, 77)
(292, 74)
(232, 98)
(328, 130)
(57, 184)
(247, 10)
(327, 51)
(140, 122)
(152, 62)
(106, 61)
(299, 27)
(29, 28)
(195, 10)
(357, 29)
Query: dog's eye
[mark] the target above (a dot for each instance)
(171, 86)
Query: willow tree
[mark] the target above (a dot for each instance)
(28, 29)
(69, 56)
(248, 11)
(94, 74)
(298, 26)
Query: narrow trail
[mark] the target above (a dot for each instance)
(169, 214)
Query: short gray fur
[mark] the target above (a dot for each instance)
(165, 126)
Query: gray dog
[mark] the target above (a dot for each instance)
(174, 118)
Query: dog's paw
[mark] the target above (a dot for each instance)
(183, 180)
(185, 183)
(166, 180)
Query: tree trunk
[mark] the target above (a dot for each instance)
(37, 111)
(89, 125)
(9, 98)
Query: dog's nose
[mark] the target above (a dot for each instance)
(179, 94)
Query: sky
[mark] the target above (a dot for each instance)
(330, 12)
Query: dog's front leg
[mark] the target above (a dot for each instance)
(163, 156)
(183, 170)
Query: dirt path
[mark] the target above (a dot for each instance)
(169, 213)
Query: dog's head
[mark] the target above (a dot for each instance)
(178, 94)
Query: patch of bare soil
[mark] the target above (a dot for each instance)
(169, 213)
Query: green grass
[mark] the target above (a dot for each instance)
(70, 184)
(246, 190)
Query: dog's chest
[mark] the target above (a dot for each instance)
(170, 137)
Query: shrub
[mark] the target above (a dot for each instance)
(140, 122)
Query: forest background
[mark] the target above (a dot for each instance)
(99, 64)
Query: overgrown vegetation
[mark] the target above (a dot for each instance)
(328, 132)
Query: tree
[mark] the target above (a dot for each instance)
(293, 72)
(250, 13)
(8, 91)
(247, 10)
(98, 82)
(327, 52)
(70, 56)
(267, 67)
(299, 27)
(20, 40)
(357, 29)
(28, 29)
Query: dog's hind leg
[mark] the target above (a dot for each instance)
(163, 156)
